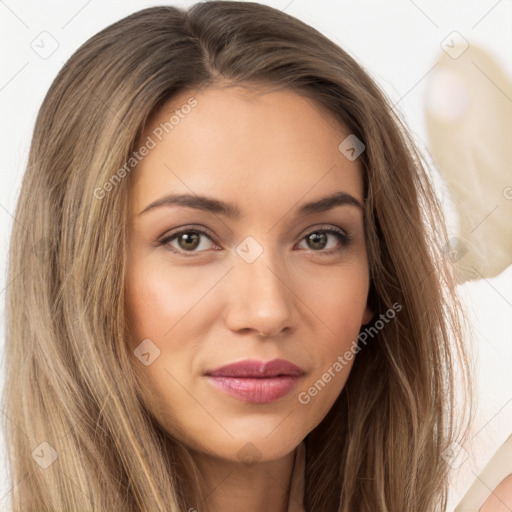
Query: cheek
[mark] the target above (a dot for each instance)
(337, 298)
(162, 308)
(160, 298)
(172, 308)
(338, 303)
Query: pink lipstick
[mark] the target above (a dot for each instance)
(255, 381)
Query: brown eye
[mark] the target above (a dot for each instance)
(188, 241)
(317, 240)
(326, 240)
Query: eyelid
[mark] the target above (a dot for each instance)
(186, 228)
(324, 227)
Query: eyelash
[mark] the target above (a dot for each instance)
(342, 236)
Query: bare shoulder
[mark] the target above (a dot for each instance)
(500, 499)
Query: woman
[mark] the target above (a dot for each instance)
(231, 289)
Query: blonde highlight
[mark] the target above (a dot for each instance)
(70, 381)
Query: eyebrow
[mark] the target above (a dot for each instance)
(230, 210)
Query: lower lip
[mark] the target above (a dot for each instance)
(256, 390)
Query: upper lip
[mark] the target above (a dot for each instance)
(255, 368)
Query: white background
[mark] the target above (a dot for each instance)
(398, 42)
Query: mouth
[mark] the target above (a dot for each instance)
(255, 381)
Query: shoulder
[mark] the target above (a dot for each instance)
(500, 499)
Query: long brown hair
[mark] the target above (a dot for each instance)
(72, 397)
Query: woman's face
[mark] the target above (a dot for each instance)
(227, 263)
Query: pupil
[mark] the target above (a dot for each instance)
(318, 240)
(189, 240)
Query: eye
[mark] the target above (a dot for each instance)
(188, 240)
(327, 240)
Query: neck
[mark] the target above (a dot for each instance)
(231, 486)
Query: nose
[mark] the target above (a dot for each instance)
(260, 297)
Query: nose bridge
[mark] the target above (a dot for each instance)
(260, 296)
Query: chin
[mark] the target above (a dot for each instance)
(247, 447)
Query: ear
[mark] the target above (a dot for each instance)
(367, 315)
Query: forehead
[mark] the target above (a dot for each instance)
(257, 147)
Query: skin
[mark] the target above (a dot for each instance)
(268, 154)
(500, 499)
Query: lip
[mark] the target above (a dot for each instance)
(256, 381)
